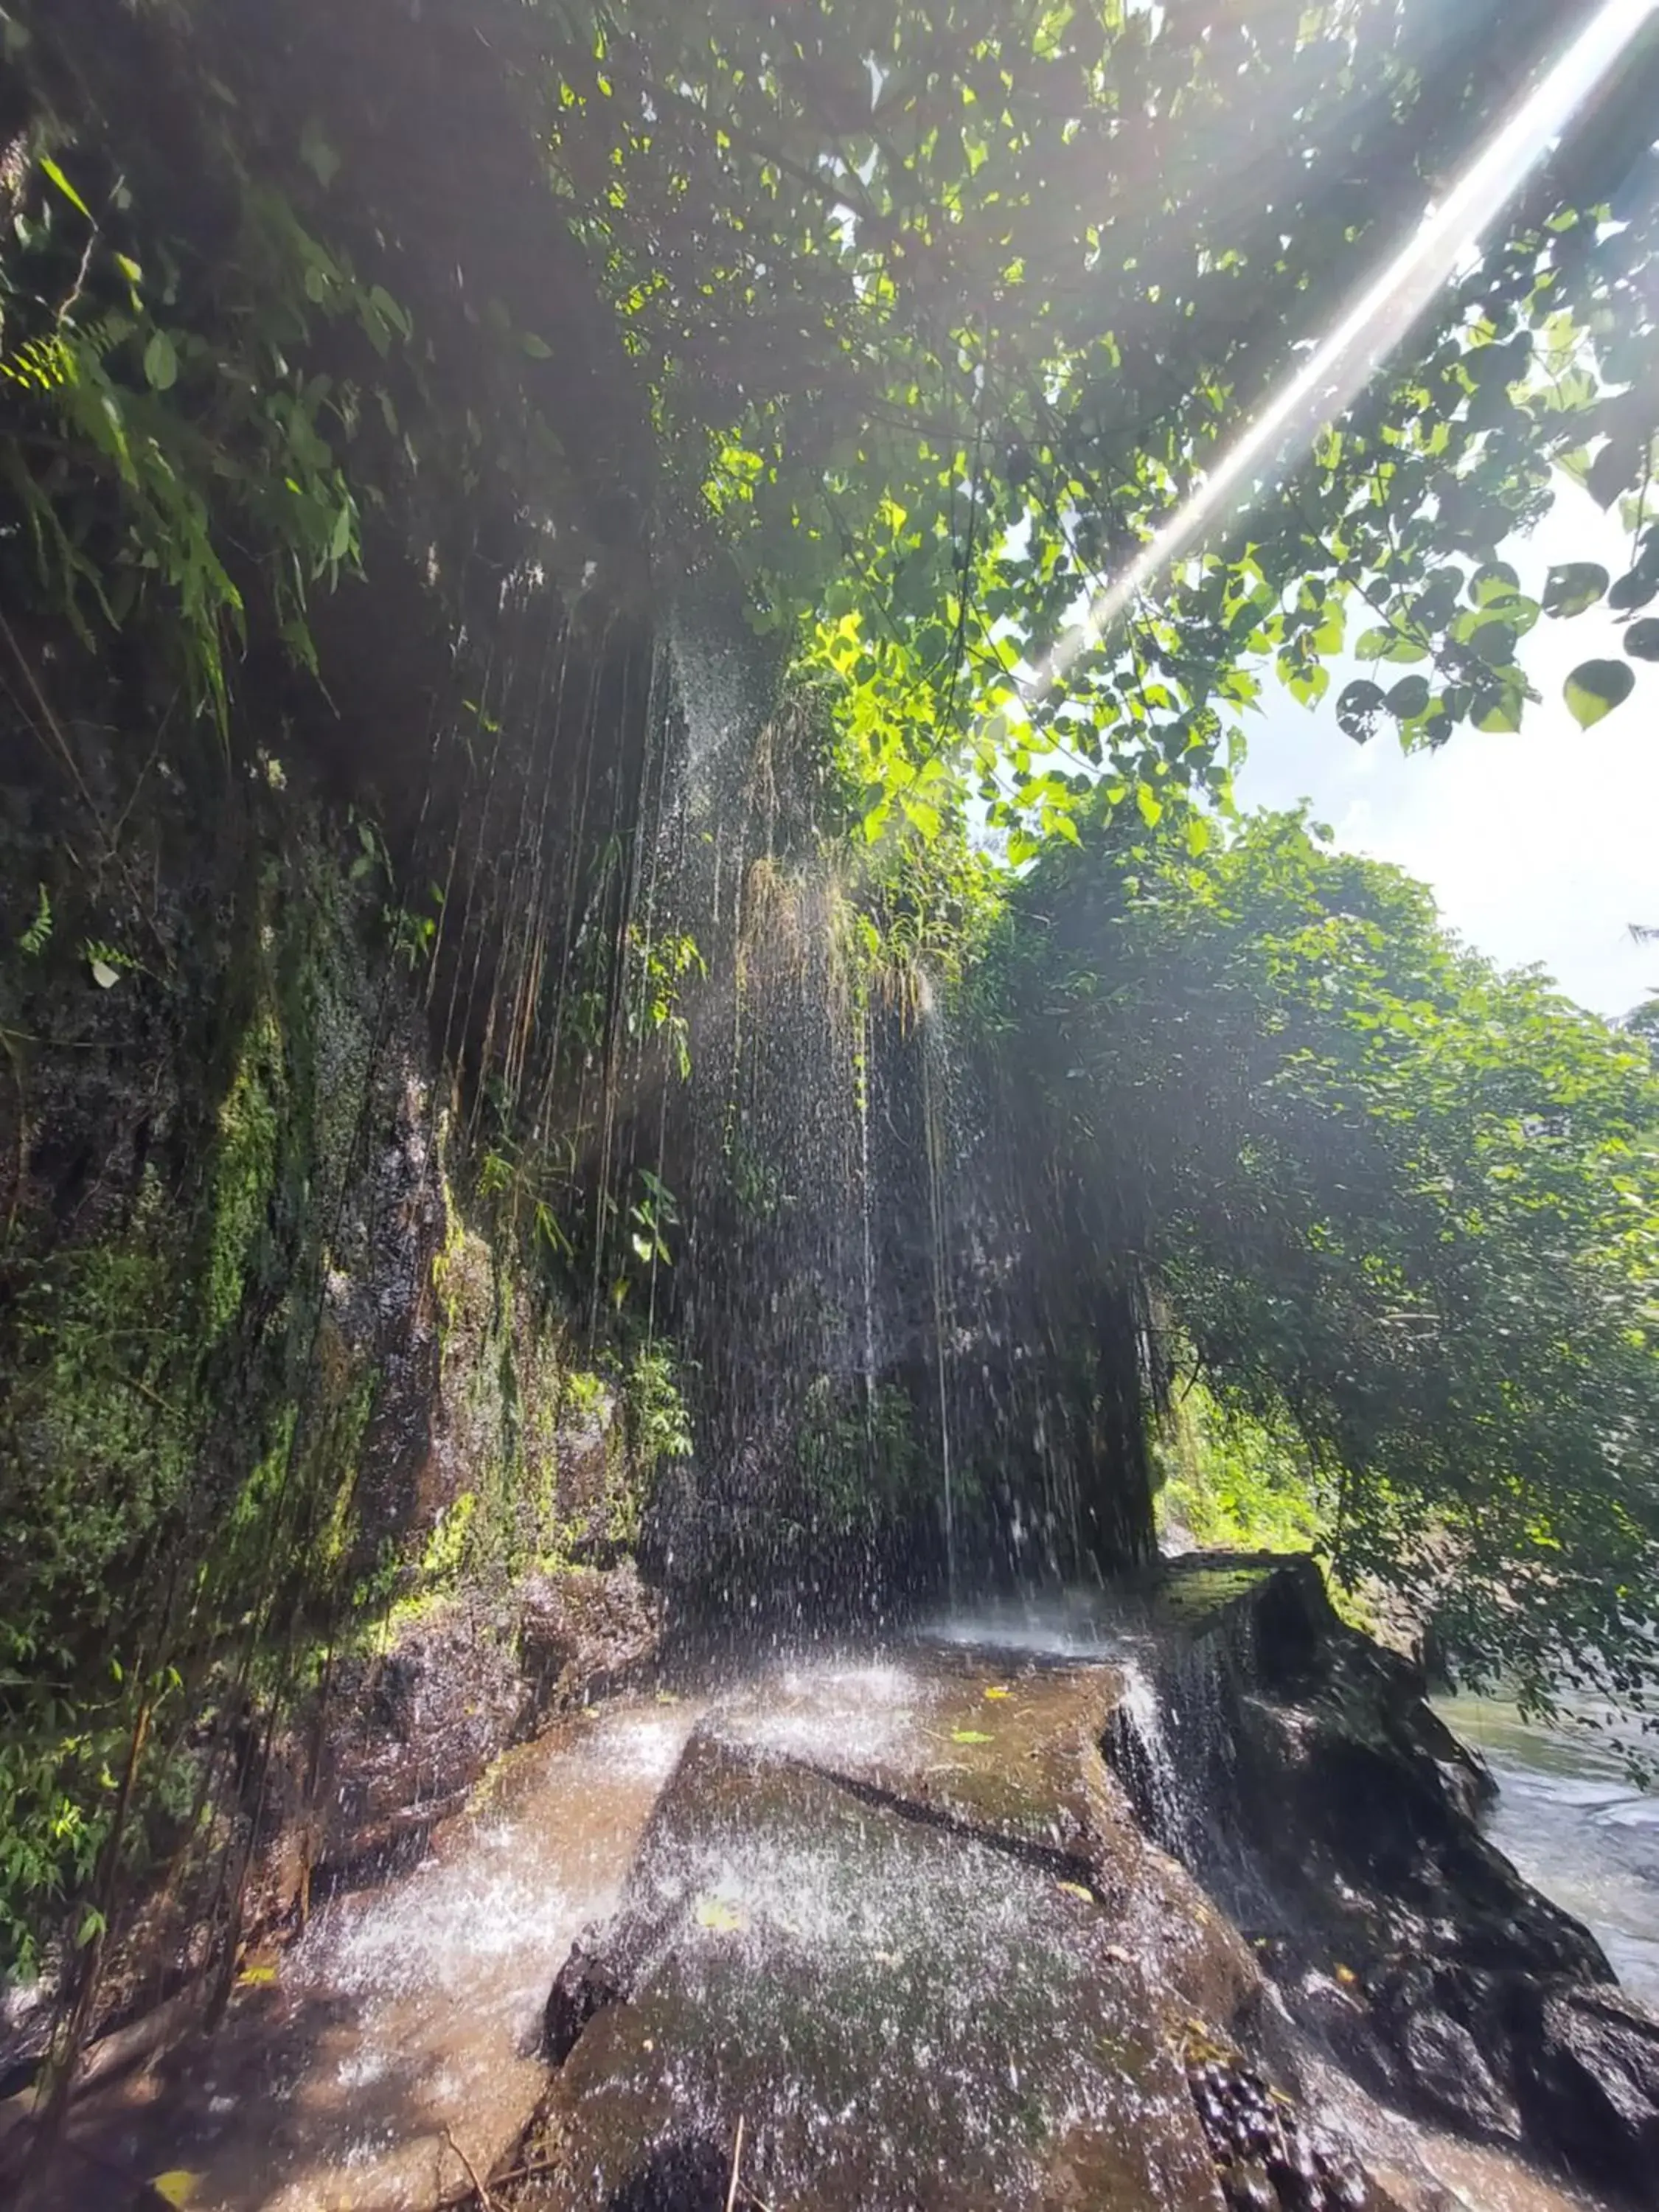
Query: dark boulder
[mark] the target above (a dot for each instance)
(1328, 1808)
(586, 1983)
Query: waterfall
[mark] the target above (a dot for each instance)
(866, 1202)
(1145, 1748)
(934, 1078)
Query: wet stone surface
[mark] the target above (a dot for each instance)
(900, 2013)
(893, 1916)
(402, 2014)
(1298, 1770)
(1269, 2161)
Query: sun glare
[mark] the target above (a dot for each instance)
(1342, 366)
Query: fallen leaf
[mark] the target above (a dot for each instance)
(969, 1735)
(997, 1691)
(104, 975)
(1076, 1889)
(257, 1975)
(722, 1918)
(1347, 1975)
(178, 2186)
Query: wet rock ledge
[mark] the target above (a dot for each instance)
(363, 1774)
(1180, 1935)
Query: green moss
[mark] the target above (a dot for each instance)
(244, 1168)
(446, 1547)
(336, 1458)
(101, 1420)
(261, 1489)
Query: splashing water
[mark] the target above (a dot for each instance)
(406, 2011)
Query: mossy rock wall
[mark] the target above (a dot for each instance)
(270, 1376)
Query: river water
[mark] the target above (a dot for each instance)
(1571, 1820)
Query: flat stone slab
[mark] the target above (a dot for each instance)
(899, 2012)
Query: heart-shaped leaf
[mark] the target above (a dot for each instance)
(178, 2186)
(1499, 710)
(1358, 709)
(1642, 640)
(1497, 580)
(1594, 689)
(1409, 697)
(1574, 589)
(1633, 591)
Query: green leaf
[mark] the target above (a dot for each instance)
(721, 1916)
(160, 361)
(1495, 643)
(50, 169)
(1358, 709)
(1498, 713)
(1594, 689)
(1574, 589)
(1497, 580)
(1390, 644)
(1152, 807)
(1636, 590)
(1642, 640)
(969, 1736)
(1409, 698)
(178, 2186)
(538, 349)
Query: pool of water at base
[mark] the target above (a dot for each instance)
(1576, 1826)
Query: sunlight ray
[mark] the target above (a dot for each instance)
(1340, 369)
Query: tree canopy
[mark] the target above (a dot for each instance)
(1376, 1185)
(930, 315)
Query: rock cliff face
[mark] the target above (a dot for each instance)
(315, 1501)
(1322, 1805)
